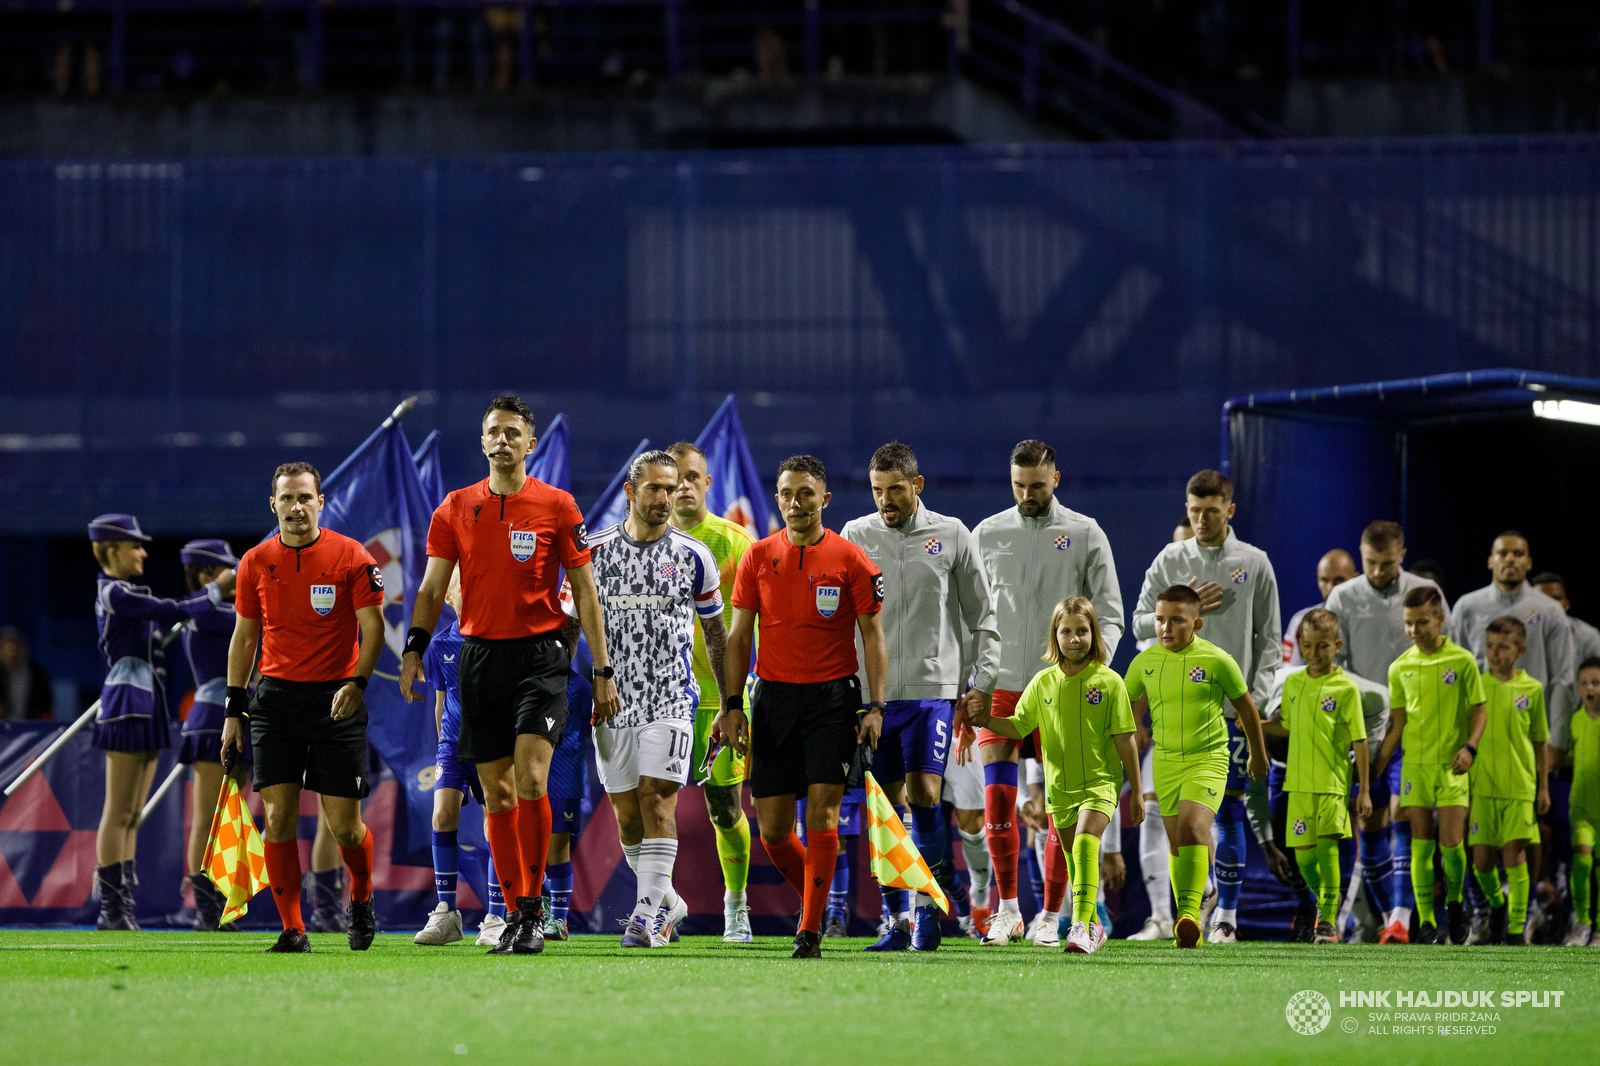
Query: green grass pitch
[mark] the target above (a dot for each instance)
(218, 1000)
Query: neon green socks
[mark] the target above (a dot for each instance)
(1518, 878)
(1455, 872)
(733, 850)
(1188, 870)
(1582, 868)
(1422, 878)
(1327, 852)
(1489, 881)
(1310, 871)
(1085, 877)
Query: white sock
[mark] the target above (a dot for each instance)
(1049, 917)
(1010, 905)
(730, 898)
(656, 857)
(631, 853)
(976, 852)
(1153, 861)
(1219, 916)
(923, 900)
(1401, 915)
(669, 899)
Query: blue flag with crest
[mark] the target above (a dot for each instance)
(736, 491)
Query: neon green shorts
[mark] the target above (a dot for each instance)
(1202, 780)
(1583, 834)
(1431, 787)
(1317, 814)
(1497, 822)
(1067, 807)
(728, 768)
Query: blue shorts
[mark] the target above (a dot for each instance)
(916, 737)
(1277, 798)
(1238, 759)
(450, 771)
(1383, 785)
(568, 773)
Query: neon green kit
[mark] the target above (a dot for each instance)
(1076, 718)
(1187, 691)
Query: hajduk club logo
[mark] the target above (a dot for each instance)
(1449, 677)
(1197, 674)
(668, 570)
(1240, 576)
(1093, 696)
(1309, 1012)
(1329, 704)
(1521, 702)
(1063, 542)
(322, 597)
(933, 547)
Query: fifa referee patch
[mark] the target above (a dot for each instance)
(322, 597)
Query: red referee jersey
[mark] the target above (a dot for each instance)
(511, 550)
(306, 600)
(808, 598)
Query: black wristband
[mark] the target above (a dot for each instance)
(1472, 749)
(877, 705)
(417, 640)
(733, 703)
(237, 703)
(359, 682)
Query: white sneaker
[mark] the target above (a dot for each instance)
(1005, 927)
(736, 923)
(1097, 933)
(1223, 933)
(1037, 925)
(1577, 936)
(1047, 936)
(489, 930)
(444, 927)
(666, 921)
(1154, 929)
(1079, 940)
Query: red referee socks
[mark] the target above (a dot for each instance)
(283, 870)
(359, 860)
(506, 852)
(1000, 826)
(1056, 870)
(822, 848)
(790, 859)
(533, 832)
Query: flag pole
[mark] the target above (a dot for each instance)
(166, 786)
(84, 719)
(400, 411)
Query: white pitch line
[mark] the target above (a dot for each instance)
(125, 947)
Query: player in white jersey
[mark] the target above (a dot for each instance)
(1333, 569)
(653, 581)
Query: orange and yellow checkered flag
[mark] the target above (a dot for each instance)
(235, 859)
(896, 863)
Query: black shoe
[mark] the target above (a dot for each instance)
(1426, 934)
(834, 927)
(1498, 917)
(129, 880)
(807, 945)
(530, 931)
(1304, 929)
(116, 912)
(209, 904)
(291, 942)
(508, 934)
(363, 924)
(1456, 920)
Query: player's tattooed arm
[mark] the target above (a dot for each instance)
(715, 630)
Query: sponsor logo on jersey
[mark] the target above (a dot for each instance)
(449, 658)
(828, 600)
(669, 570)
(1449, 677)
(1329, 704)
(322, 597)
(1093, 695)
(1063, 542)
(1521, 702)
(1240, 576)
(933, 547)
(1197, 674)
(640, 603)
(523, 542)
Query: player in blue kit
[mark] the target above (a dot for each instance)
(568, 780)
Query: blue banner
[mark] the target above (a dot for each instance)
(430, 470)
(736, 491)
(548, 460)
(612, 506)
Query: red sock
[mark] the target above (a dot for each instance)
(533, 832)
(283, 870)
(1000, 826)
(1056, 871)
(507, 854)
(822, 851)
(359, 860)
(790, 859)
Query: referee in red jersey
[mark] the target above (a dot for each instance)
(305, 594)
(512, 535)
(812, 590)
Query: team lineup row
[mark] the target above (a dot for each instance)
(908, 633)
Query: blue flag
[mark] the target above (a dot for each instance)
(429, 470)
(548, 460)
(736, 492)
(612, 506)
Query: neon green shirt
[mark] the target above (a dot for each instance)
(1438, 692)
(1187, 690)
(1324, 717)
(728, 542)
(1584, 743)
(1076, 718)
(1504, 767)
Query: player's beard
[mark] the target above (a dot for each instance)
(1030, 508)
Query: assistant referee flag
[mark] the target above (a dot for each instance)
(235, 859)
(896, 863)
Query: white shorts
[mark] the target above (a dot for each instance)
(1147, 775)
(661, 749)
(963, 785)
(1032, 772)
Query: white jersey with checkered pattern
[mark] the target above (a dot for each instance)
(650, 592)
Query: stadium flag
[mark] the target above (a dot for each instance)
(896, 862)
(429, 469)
(548, 460)
(612, 506)
(235, 859)
(736, 492)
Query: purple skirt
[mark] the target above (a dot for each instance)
(133, 734)
(207, 747)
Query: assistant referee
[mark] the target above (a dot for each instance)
(812, 590)
(305, 593)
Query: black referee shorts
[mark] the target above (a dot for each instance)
(510, 687)
(297, 742)
(802, 735)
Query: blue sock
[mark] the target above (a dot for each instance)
(1035, 876)
(1000, 773)
(558, 880)
(839, 891)
(1230, 853)
(1376, 863)
(446, 866)
(497, 896)
(927, 833)
(1400, 862)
